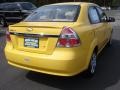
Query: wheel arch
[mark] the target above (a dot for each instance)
(93, 48)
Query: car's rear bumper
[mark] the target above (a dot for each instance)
(62, 63)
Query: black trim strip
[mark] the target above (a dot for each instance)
(33, 35)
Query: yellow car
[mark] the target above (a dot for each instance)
(60, 39)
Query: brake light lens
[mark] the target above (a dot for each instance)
(8, 38)
(68, 38)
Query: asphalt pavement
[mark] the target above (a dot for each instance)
(107, 76)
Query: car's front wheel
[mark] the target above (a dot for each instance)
(110, 40)
(3, 22)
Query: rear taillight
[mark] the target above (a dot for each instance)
(68, 38)
(8, 38)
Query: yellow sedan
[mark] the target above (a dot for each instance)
(60, 39)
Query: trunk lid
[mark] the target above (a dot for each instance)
(36, 37)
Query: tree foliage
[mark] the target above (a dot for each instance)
(116, 3)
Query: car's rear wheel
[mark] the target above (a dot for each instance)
(92, 65)
(3, 22)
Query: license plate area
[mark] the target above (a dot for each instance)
(31, 42)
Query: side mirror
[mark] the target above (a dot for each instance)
(104, 19)
(110, 19)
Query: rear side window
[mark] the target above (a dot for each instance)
(93, 15)
(55, 13)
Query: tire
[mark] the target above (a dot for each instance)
(110, 40)
(3, 22)
(92, 65)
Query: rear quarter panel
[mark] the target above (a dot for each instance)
(88, 43)
(87, 36)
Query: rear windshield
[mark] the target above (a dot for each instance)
(55, 13)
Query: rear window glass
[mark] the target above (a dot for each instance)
(55, 13)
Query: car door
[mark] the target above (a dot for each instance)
(106, 25)
(97, 26)
(12, 13)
